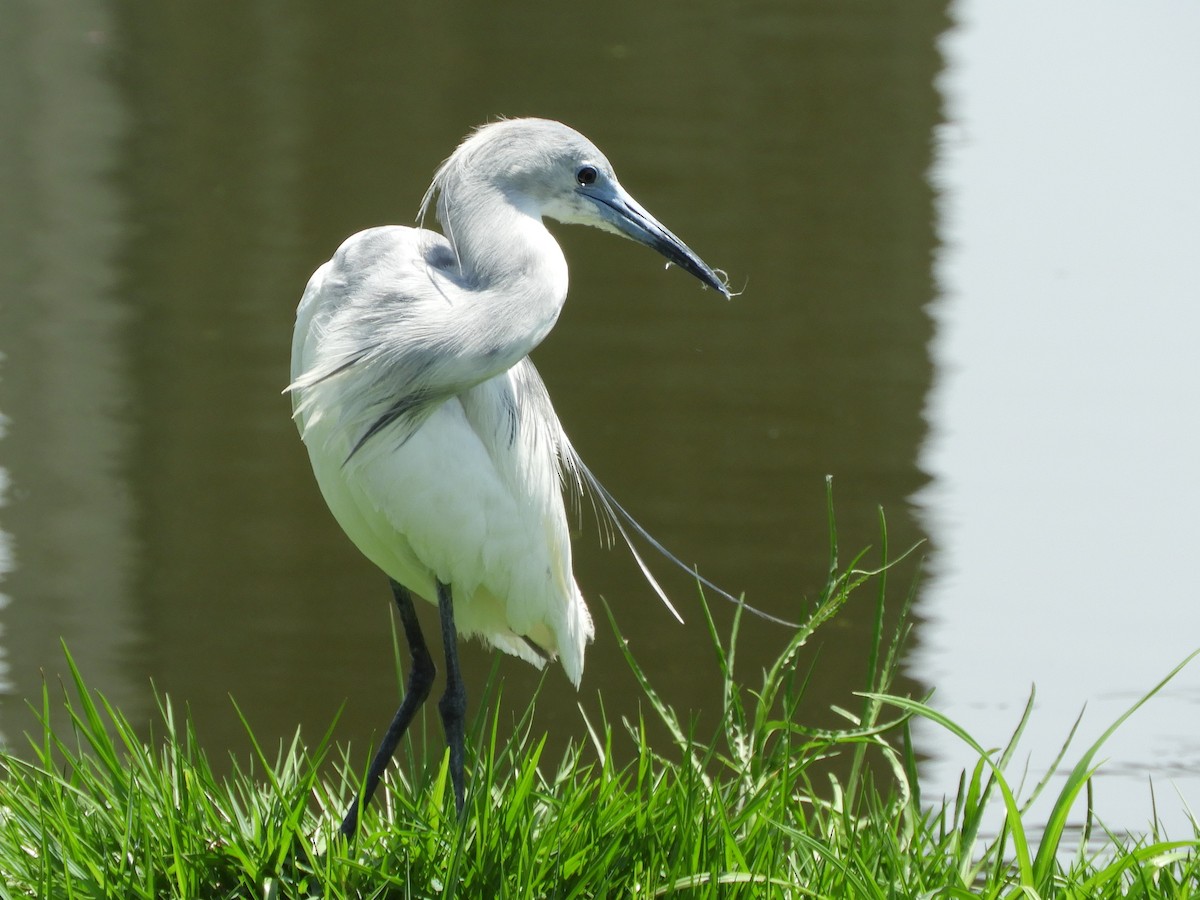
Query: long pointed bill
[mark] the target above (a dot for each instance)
(628, 217)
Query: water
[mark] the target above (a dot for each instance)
(1063, 437)
(172, 176)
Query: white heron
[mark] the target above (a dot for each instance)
(430, 432)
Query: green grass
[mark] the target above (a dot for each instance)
(752, 811)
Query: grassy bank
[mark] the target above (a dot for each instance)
(750, 811)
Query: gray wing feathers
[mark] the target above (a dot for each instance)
(379, 307)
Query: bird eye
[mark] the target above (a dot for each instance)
(586, 175)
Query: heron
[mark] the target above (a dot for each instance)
(431, 434)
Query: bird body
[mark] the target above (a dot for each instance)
(470, 496)
(431, 435)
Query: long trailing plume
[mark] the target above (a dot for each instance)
(582, 480)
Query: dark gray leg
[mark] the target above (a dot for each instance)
(420, 680)
(453, 705)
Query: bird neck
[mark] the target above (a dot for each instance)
(512, 263)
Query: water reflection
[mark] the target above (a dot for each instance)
(7, 687)
(66, 378)
(1062, 444)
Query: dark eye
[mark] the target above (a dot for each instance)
(586, 175)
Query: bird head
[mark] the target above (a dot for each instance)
(550, 170)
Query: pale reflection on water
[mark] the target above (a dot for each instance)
(1063, 430)
(6, 566)
(67, 546)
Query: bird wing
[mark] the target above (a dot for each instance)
(514, 420)
(389, 308)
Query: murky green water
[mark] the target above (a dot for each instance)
(172, 174)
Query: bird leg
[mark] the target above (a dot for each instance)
(453, 705)
(420, 680)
